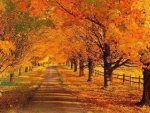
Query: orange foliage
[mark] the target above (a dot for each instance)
(7, 36)
(14, 1)
(23, 6)
(39, 7)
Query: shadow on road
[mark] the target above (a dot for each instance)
(51, 97)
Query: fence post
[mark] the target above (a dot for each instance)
(139, 82)
(123, 78)
(130, 80)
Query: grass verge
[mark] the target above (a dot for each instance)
(16, 95)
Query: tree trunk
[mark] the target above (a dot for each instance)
(90, 66)
(81, 68)
(20, 71)
(66, 63)
(11, 77)
(35, 63)
(26, 69)
(75, 65)
(110, 74)
(146, 87)
(71, 66)
(31, 68)
(107, 66)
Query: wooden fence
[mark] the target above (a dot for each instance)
(130, 79)
(136, 80)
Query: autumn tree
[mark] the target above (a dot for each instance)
(18, 20)
(79, 47)
(70, 48)
(128, 19)
(92, 52)
(137, 48)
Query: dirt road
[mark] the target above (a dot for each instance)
(51, 97)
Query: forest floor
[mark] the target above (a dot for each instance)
(118, 97)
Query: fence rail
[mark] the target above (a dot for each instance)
(136, 80)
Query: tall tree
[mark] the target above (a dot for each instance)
(16, 24)
(100, 25)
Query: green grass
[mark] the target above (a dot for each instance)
(31, 77)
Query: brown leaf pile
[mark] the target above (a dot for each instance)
(117, 98)
(16, 98)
